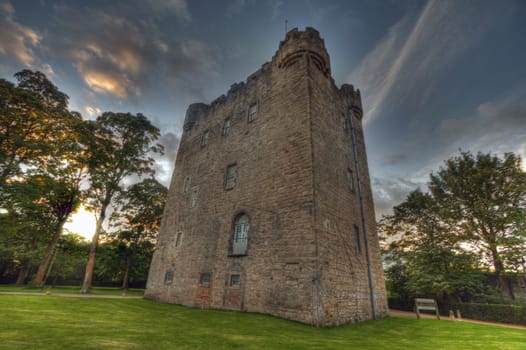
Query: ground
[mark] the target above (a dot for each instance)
(53, 322)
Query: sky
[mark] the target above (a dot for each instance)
(436, 76)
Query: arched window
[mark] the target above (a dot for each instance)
(240, 239)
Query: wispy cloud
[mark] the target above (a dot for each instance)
(16, 40)
(405, 63)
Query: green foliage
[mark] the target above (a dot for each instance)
(485, 197)
(120, 145)
(81, 323)
(137, 221)
(31, 116)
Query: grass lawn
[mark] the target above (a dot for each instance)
(52, 322)
(71, 289)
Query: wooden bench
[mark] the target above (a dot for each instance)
(427, 305)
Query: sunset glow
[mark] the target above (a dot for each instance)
(82, 222)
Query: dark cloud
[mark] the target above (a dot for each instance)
(394, 159)
(117, 54)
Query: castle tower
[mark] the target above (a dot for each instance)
(270, 207)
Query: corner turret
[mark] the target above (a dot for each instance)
(300, 43)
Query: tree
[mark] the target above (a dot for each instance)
(138, 220)
(424, 256)
(486, 197)
(30, 116)
(119, 146)
(473, 216)
(25, 225)
(62, 197)
(39, 138)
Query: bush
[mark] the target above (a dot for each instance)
(504, 313)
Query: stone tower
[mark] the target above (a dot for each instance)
(270, 207)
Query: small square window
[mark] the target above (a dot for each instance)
(350, 180)
(204, 279)
(230, 176)
(168, 277)
(226, 126)
(252, 112)
(235, 281)
(204, 139)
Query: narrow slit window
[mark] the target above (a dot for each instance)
(230, 176)
(350, 179)
(204, 139)
(178, 239)
(252, 112)
(186, 185)
(358, 240)
(226, 126)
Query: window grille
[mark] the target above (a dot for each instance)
(252, 112)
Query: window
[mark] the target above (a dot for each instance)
(168, 277)
(204, 279)
(226, 126)
(240, 241)
(345, 122)
(230, 176)
(186, 185)
(178, 239)
(235, 281)
(350, 179)
(357, 238)
(204, 139)
(252, 112)
(193, 196)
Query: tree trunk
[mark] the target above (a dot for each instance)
(90, 265)
(504, 283)
(22, 274)
(126, 279)
(44, 263)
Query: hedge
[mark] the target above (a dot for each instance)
(504, 313)
(400, 304)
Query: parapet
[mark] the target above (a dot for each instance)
(298, 43)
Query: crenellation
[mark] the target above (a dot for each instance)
(281, 240)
